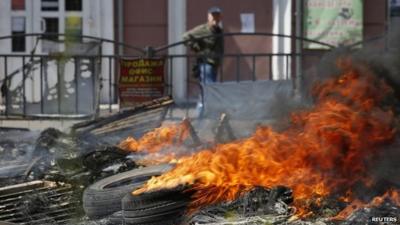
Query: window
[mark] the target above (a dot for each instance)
(18, 5)
(395, 8)
(50, 5)
(51, 25)
(73, 28)
(18, 28)
(50, 36)
(73, 5)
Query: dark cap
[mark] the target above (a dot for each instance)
(214, 9)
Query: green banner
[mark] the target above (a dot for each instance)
(336, 22)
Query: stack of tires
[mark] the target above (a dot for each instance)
(104, 197)
(111, 195)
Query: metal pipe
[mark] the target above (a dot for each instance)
(58, 87)
(254, 68)
(222, 69)
(23, 86)
(164, 47)
(116, 81)
(41, 86)
(270, 68)
(78, 36)
(94, 86)
(109, 85)
(6, 84)
(76, 85)
(170, 86)
(237, 68)
(287, 66)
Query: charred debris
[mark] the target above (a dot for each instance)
(43, 175)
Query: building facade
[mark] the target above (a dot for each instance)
(46, 85)
(160, 22)
(156, 23)
(84, 17)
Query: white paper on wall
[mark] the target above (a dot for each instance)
(18, 24)
(247, 20)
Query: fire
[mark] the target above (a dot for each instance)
(162, 145)
(325, 151)
(156, 140)
(391, 195)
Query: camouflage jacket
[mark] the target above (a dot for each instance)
(210, 49)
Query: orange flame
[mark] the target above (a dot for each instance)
(325, 150)
(391, 195)
(158, 144)
(158, 139)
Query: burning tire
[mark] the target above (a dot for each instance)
(160, 207)
(104, 197)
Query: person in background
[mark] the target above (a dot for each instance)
(209, 50)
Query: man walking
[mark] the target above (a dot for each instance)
(210, 49)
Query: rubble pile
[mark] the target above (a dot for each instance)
(263, 206)
(250, 208)
(37, 203)
(53, 168)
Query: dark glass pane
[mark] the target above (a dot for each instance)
(18, 5)
(50, 5)
(18, 28)
(395, 8)
(18, 43)
(73, 5)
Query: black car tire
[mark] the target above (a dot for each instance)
(157, 202)
(166, 206)
(104, 196)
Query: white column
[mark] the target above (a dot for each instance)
(282, 24)
(176, 27)
(5, 30)
(5, 26)
(92, 17)
(107, 31)
(107, 24)
(120, 22)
